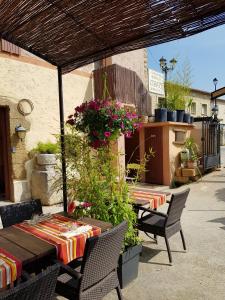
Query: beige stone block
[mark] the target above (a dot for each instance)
(21, 190)
(19, 171)
(43, 187)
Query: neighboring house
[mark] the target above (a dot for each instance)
(24, 76)
(201, 105)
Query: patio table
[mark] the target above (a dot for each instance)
(29, 249)
(152, 198)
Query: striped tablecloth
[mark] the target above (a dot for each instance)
(10, 268)
(68, 249)
(155, 198)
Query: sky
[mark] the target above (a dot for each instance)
(204, 52)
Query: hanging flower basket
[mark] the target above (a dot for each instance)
(103, 121)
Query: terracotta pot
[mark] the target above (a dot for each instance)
(191, 164)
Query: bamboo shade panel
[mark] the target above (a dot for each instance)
(73, 33)
(124, 85)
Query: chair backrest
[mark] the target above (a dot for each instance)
(40, 287)
(176, 206)
(101, 255)
(17, 213)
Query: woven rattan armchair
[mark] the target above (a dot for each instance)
(40, 287)
(17, 213)
(98, 274)
(165, 225)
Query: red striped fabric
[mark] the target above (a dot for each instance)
(155, 199)
(10, 268)
(50, 230)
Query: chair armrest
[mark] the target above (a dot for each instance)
(67, 269)
(155, 212)
(25, 275)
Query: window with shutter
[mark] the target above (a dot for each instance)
(9, 47)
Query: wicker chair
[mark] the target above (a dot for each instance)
(98, 274)
(17, 213)
(40, 287)
(165, 225)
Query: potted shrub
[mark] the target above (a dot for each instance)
(46, 153)
(94, 178)
(161, 112)
(171, 112)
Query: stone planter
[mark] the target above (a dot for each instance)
(46, 159)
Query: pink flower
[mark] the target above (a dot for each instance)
(115, 117)
(122, 126)
(70, 122)
(94, 105)
(128, 134)
(107, 134)
(80, 108)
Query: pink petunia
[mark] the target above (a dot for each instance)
(128, 134)
(107, 134)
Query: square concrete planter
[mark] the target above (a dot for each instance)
(128, 265)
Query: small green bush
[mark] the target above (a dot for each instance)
(46, 148)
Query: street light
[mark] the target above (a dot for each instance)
(215, 81)
(215, 108)
(166, 68)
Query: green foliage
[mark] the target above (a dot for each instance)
(179, 89)
(93, 176)
(192, 147)
(46, 148)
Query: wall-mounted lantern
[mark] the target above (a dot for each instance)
(21, 132)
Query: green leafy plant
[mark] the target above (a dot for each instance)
(94, 177)
(46, 148)
(179, 88)
(193, 149)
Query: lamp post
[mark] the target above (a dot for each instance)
(166, 68)
(215, 108)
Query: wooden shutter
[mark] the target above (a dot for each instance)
(9, 47)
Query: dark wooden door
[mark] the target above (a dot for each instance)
(5, 157)
(154, 167)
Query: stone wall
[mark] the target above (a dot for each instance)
(29, 78)
(135, 61)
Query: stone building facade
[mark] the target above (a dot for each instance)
(24, 76)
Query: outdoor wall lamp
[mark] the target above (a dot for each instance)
(21, 132)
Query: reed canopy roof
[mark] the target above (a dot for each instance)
(73, 33)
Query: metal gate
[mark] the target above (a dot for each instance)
(210, 142)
